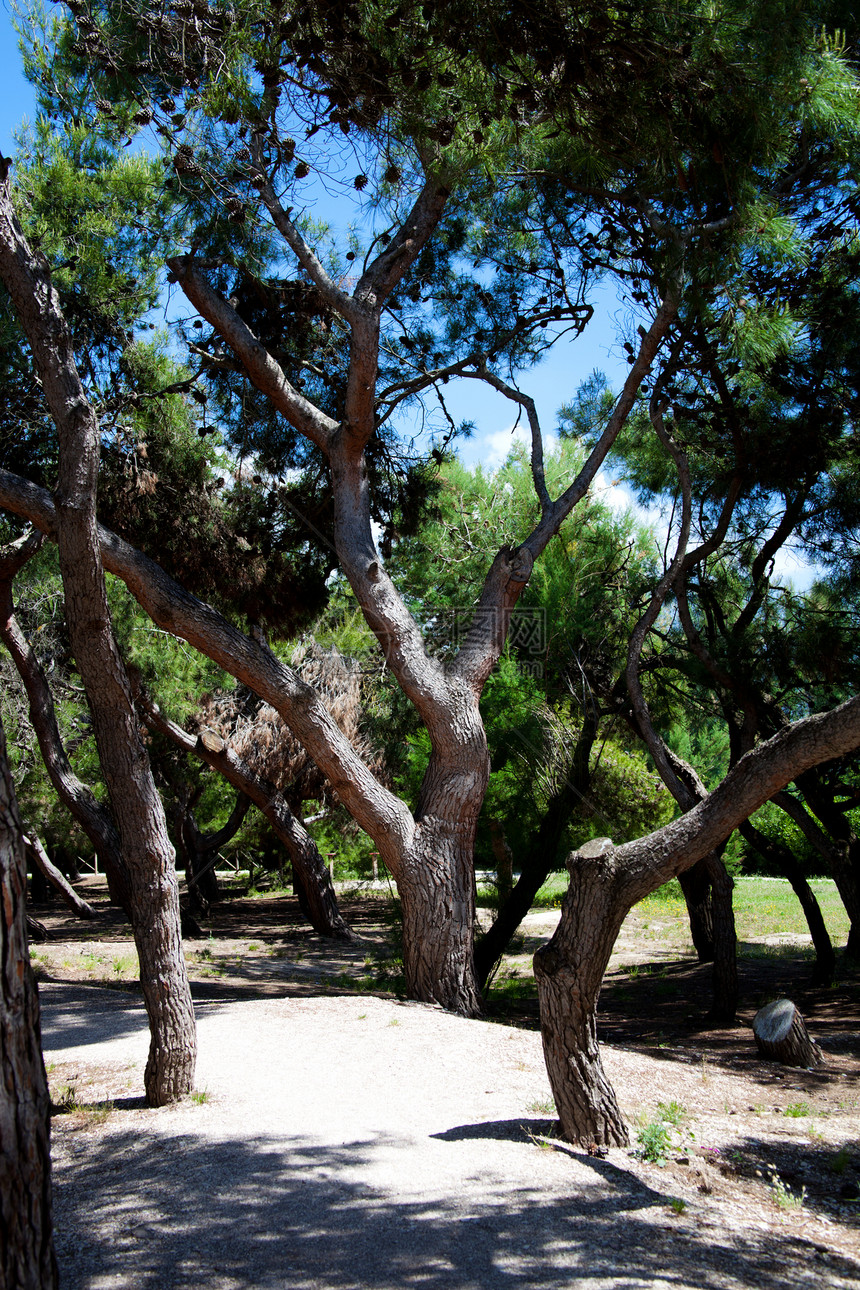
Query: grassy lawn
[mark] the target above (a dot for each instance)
(763, 906)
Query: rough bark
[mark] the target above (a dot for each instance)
(569, 971)
(27, 1259)
(437, 892)
(41, 859)
(786, 863)
(781, 1035)
(696, 889)
(136, 806)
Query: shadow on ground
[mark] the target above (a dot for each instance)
(183, 1212)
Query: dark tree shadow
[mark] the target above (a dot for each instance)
(185, 1211)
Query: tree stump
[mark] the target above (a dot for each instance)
(781, 1035)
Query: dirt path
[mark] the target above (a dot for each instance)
(354, 1141)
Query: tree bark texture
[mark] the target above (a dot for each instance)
(27, 1259)
(437, 893)
(781, 1035)
(569, 971)
(724, 1003)
(136, 806)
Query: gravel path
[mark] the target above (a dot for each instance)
(354, 1141)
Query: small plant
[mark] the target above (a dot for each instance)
(199, 1096)
(394, 1022)
(672, 1113)
(67, 1098)
(252, 947)
(783, 1195)
(795, 1110)
(542, 1106)
(677, 1205)
(654, 1140)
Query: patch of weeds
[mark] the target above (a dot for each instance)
(96, 1112)
(252, 947)
(784, 1197)
(66, 1099)
(637, 969)
(199, 1096)
(90, 962)
(677, 1205)
(795, 1110)
(124, 964)
(542, 1106)
(655, 1135)
(654, 1138)
(394, 1022)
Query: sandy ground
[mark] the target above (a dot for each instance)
(355, 1141)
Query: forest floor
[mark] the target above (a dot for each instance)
(312, 1155)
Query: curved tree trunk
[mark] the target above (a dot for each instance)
(313, 883)
(839, 845)
(782, 859)
(27, 1259)
(569, 972)
(53, 875)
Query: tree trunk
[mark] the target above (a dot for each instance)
(786, 863)
(437, 892)
(311, 876)
(536, 867)
(781, 1035)
(569, 972)
(724, 1003)
(27, 1259)
(78, 799)
(136, 806)
(53, 875)
(842, 854)
(696, 886)
(504, 859)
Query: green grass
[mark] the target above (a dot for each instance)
(767, 905)
(763, 907)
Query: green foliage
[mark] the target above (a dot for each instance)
(654, 1138)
